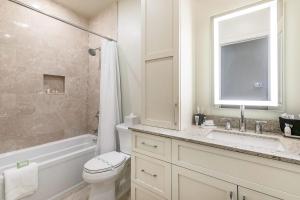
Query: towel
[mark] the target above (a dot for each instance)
(1, 187)
(20, 183)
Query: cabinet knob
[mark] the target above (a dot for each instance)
(244, 197)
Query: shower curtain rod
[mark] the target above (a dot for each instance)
(59, 19)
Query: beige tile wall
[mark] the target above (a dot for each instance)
(55, 9)
(106, 24)
(31, 45)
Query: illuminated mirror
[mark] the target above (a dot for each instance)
(245, 56)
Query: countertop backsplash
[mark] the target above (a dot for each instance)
(271, 126)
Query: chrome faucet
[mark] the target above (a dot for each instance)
(242, 119)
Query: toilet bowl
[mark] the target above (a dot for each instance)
(102, 171)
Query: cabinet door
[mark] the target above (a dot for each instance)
(158, 28)
(140, 193)
(160, 63)
(153, 174)
(190, 185)
(246, 194)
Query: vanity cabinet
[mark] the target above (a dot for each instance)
(246, 194)
(140, 193)
(154, 146)
(153, 174)
(164, 103)
(151, 164)
(190, 185)
(172, 169)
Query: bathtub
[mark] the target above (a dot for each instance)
(60, 165)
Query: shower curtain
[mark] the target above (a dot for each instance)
(110, 113)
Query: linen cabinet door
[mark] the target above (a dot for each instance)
(158, 28)
(160, 63)
(190, 185)
(247, 194)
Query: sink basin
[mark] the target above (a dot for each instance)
(269, 143)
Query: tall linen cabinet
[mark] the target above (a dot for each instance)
(167, 63)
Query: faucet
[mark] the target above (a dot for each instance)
(242, 119)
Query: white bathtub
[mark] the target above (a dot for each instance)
(60, 165)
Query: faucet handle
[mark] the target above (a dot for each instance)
(259, 126)
(227, 123)
(261, 122)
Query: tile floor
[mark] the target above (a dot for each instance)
(83, 194)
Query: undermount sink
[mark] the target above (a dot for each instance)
(269, 143)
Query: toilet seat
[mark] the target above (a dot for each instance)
(105, 162)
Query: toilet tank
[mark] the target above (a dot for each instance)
(125, 138)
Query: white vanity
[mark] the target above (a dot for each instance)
(239, 61)
(200, 164)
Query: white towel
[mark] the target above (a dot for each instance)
(1, 187)
(20, 183)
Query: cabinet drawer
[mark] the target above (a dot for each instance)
(239, 168)
(153, 146)
(140, 193)
(153, 174)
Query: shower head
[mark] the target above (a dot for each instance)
(92, 52)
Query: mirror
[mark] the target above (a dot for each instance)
(246, 56)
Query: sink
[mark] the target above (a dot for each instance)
(257, 141)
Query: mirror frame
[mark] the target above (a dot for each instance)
(274, 84)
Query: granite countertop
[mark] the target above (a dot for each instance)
(198, 135)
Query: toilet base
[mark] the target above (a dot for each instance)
(103, 191)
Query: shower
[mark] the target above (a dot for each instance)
(93, 52)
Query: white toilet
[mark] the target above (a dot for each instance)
(102, 171)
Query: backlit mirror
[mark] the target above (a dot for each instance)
(246, 56)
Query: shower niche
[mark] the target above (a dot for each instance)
(54, 84)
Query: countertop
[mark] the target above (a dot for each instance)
(199, 135)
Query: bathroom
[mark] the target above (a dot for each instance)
(149, 99)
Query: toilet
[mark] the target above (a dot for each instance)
(103, 170)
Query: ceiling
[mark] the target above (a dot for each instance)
(85, 8)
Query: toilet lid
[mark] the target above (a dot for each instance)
(105, 162)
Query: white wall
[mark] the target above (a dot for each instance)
(292, 64)
(207, 9)
(129, 41)
(187, 61)
(245, 27)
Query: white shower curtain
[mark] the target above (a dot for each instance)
(110, 98)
